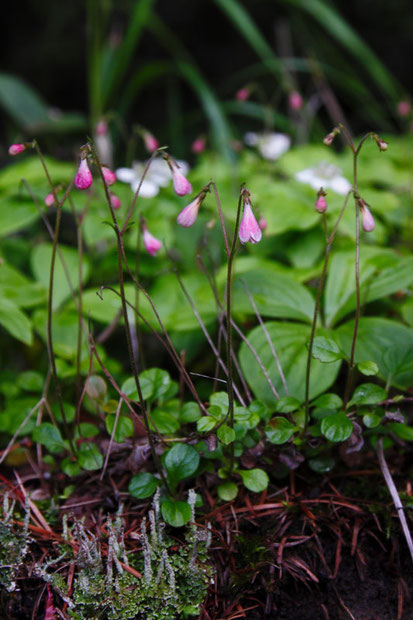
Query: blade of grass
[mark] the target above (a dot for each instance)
(336, 26)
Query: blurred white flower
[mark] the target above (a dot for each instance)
(270, 145)
(325, 175)
(158, 175)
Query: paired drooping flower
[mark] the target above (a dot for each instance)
(108, 175)
(180, 183)
(404, 108)
(249, 229)
(114, 201)
(295, 100)
(151, 143)
(270, 145)
(151, 243)
(321, 203)
(243, 93)
(157, 176)
(367, 220)
(49, 200)
(189, 214)
(328, 140)
(15, 149)
(324, 175)
(83, 178)
(198, 145)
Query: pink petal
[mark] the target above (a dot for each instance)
(151, 243)
(83, 178)
(189, 214)
(181, 184)
(249, 229)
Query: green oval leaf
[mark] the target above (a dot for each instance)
(206, 424)
(326, 350)
(124, 427)
(190, 412)
(49, 436)
(368, 394)
(227, 491)
(336, 427)
(181, 461)
(226, 434)
(176, 513)
(89, 456)
(254, 479)
(279, 430)
(368, 368)
(143, 485)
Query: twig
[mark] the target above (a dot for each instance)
(395, 496)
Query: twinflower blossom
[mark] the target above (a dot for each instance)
(15, 149)
(151, 243)
(49, 200)
(249, 229)
(325, 175)
(189, 214)
(114, 201)
(83, 178)
(108, 175)
(367, 220)
(158, 175)
(270, 145)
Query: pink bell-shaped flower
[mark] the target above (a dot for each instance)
(49, 200)
(180, 183)
(151, 243)
(151, 143)
(367, 220)
(249, 229)
(15, 149)
(108, 175)
(83, 178)
(295, 100)
(198, 145)
(321, 202)
(189, 214)
(114, 201)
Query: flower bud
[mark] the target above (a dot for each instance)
(295, 100)
(101, 128)
(49, 200)
(151, 143)
(83, 178)
(328, 140)
(189, 214)
(180, 183)
(404, 108)
(249, 229)
(151, 243)
(383, 146)
(243, 94)
(321, 203)
(114, 201)
(367, 220)
(108, 175)
(15, 149)
(262, 223)
(198, 145)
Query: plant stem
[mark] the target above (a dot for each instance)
(50, 297)
(395, 496)
(221, 217)
(230, 414)
(127, 325)
(316, 310)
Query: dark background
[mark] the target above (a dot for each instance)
(45, 44)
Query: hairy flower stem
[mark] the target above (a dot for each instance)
(127, 326)
(231, 257)
(316, 311)
(50, 297)
(221, 218)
